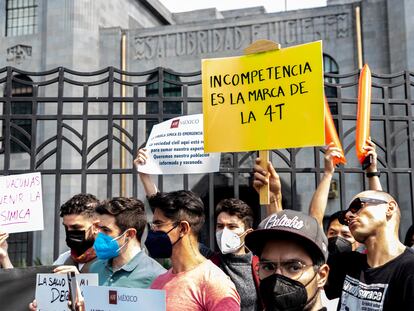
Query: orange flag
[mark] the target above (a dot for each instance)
(331, 136)
(364, 113)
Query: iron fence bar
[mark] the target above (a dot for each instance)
(58, 163)
(410, 112)
(7, 126)
(109, 175)
(236, 174)
(387, 143)
(84, 154)
(135, 142)
(211, 214)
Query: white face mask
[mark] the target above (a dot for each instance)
(228, 241)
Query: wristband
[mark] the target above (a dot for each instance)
(373, 174)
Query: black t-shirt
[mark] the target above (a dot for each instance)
(359, 287)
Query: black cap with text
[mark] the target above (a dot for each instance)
(289, 224)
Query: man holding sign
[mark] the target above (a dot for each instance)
(79, 219)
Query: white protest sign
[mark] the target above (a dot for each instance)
(52, 289)
(21, 204)
(176, 146)
(106, 298)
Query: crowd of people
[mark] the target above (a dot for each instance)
(288, 263)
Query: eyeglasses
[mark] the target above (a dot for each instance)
(292, 269)
(157, 226)
(356, 205)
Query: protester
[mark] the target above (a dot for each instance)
(5, 262)
(339, 236)
(122, 222)
(193, 282)
(79, 219)
(292, 269)
(234, 220)
(383, 278)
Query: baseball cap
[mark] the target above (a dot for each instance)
(289, 224)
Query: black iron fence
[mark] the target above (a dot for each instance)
(81, 130)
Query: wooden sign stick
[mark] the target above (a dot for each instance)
(260, 46)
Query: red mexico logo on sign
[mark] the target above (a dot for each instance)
(175, 123)
(113, 297)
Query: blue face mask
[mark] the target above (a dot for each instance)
(158, 243)
(107, 247)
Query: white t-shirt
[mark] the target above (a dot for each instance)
(63, 257)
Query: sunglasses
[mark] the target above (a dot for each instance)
(356, 205)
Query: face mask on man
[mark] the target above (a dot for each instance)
(159, 244)
(228, 241)
(76, 240)
(106, 247)
(279, 293)
(339, 245)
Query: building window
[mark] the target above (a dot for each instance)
(169, 90)
(21, 17)
(21, 129)
(330, 66)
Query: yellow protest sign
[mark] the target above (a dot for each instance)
(264, 101)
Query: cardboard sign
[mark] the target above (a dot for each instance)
(123, 299)
(52, 290)
(264, 101)
(176, 146)
(21, 204)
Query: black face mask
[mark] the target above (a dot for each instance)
(158, 243)
(282, 293)
(76, 241)
(339, 245)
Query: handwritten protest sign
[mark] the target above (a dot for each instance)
(21, 204)
(52, 290)
(264, 101)
(176, 146)
(123, 299)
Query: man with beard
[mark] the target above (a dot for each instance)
(79, 219)
(292, 248)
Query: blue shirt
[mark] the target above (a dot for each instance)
(139, 272)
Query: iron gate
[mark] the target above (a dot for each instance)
(81, 130)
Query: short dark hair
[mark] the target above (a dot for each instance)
(128, 213)
(180, 205)
(332, 218)
(80, 204)
(238, 208)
